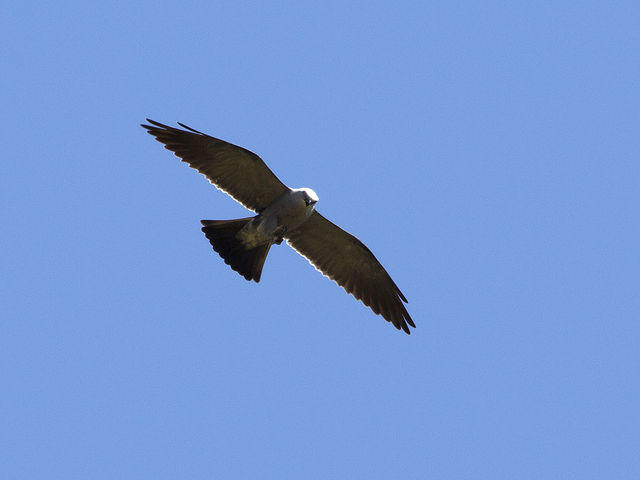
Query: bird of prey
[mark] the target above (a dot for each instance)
(283, 213)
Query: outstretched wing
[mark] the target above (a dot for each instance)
(234, 170)
(346, 260)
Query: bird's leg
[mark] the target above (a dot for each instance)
(279, 234)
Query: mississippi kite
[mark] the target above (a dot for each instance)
(283, 214)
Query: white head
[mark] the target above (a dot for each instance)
(308, 196)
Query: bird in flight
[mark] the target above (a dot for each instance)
(283, 213)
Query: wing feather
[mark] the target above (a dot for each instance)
(234, 170)
(346, 260)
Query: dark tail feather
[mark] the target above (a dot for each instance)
(248, 262)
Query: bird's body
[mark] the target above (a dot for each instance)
(287, 212)
(282, 213)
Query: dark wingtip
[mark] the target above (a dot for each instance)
(402, 296)
(154, 126)
(190, 129)
(403, 326)
(407, 321)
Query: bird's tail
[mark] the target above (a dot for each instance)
(248, 262)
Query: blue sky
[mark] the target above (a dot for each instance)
(487, 152)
